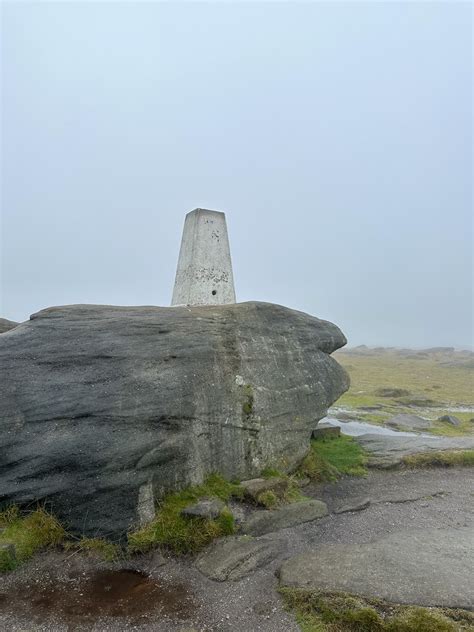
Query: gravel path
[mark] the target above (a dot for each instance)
(53, 592)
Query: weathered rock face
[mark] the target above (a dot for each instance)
(105, 408)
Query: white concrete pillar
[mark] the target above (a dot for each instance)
(204, 273)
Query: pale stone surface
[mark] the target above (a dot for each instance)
(267, 521)
(408, 422)
(204, 274)
(387, 451)
(235, 557)
(426, 567)
(205, 508)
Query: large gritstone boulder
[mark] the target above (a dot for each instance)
(105, 409)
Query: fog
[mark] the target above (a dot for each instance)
(337, 138)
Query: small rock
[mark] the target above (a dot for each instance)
(450, 419)
(234, 557)
(206, 508)
(357, 506)
(326, 431)
(267, 521)
(256, 486)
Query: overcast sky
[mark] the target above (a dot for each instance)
(336, 137)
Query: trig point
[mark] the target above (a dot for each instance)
(204, 273)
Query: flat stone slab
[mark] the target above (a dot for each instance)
(235, 557)
(408, 422)
(267, 521)
(426, 567)
(387, 451)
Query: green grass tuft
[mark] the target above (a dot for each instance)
(329, 459)
(268, 499)
(339, 612)
(182, 534)
(446, 458)
(29, 533)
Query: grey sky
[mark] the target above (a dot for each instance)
(337, 138)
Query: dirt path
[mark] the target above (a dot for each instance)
(58, 592)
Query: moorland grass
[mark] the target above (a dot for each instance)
(182, 534)
(320, 612)
(430, 377)
(28, 534)
(331, 458)
(447, 458)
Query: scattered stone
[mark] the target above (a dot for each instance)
(132, 408)
(205, 508)
(237, 511)
(387, 451)
(392, 392)
(235, 557)
(359, 505)
(6, 325)
(267, 521)
(394, 568)
(408, 422)
(256, 486)
(450, 419)
(326, 431)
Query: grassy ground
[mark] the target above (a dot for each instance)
(318, 612)
(183, 534)
(37, 530)
(448, 458)
(330, 459)
(444, 378)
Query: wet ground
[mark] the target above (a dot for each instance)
(60, 592)
(85, 597)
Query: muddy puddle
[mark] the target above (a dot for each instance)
(88, 597)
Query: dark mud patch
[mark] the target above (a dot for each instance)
(88, 597)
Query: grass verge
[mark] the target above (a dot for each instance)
(28, 534)
(447, 458)
(183, 534)
(320, 612)
(329, 459)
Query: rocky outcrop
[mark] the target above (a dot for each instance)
(104, 409)
(387, 451)
(394, 568)
(6, 325)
